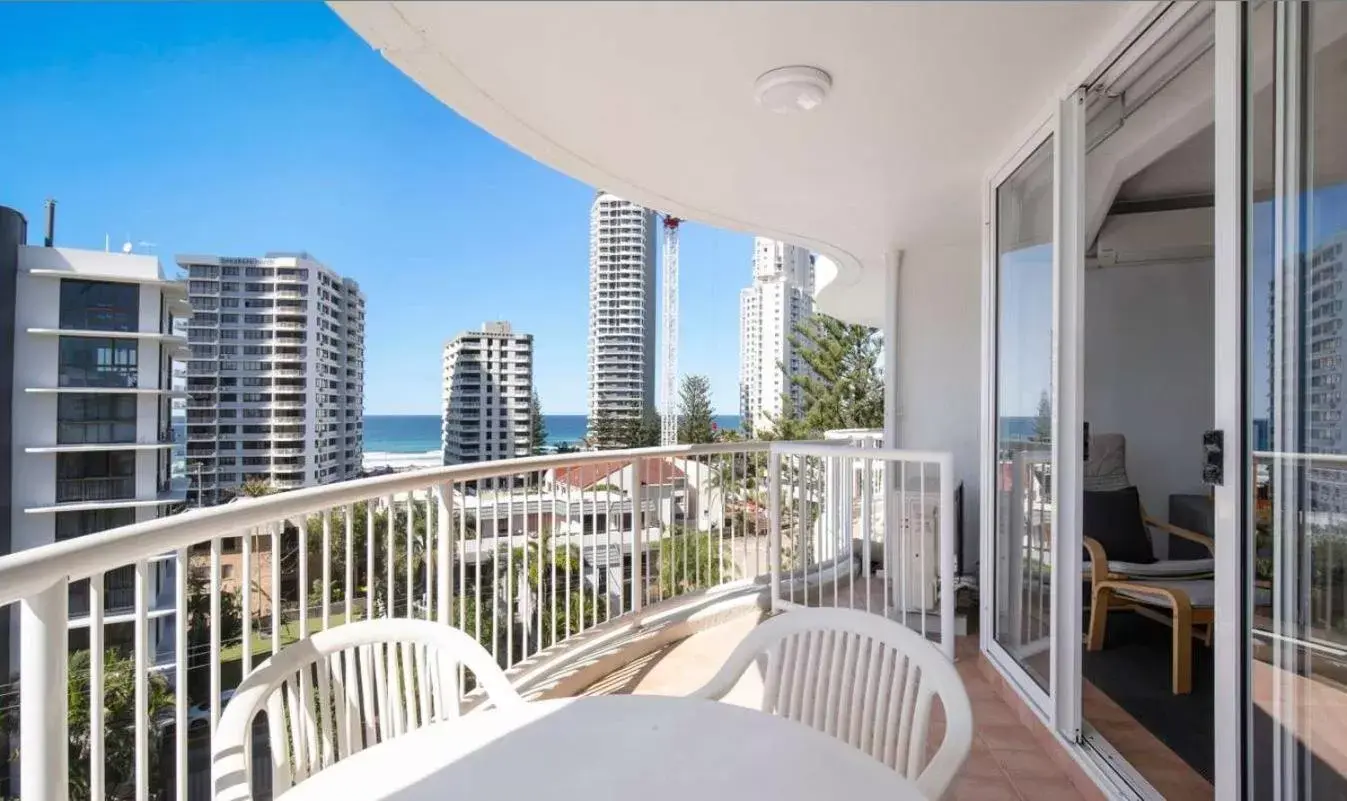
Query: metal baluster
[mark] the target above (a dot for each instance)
(276, 529)
(246, 639)
(302, 524)
(327, 569)
(526, 591)
(142, 677)
(390, 557)
(214, 582)
(409, 538)
(348, 580)
(180, 565)
(369, 559)
(509, 573)
(97, 750)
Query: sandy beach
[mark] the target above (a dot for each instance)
(375, 460)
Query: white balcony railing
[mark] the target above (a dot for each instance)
(523, 554)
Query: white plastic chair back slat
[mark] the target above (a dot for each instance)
(863, 679)
(343, 690)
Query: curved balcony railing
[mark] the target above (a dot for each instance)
(523, 554)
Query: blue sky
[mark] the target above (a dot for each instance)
(242, 128)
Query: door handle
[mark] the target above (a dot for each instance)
(1213, 454)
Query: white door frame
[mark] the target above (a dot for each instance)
(1068, 408)
(1231, 498)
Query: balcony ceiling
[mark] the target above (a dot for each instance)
(654, 102)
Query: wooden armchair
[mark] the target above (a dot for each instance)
(1124, 574)
(1122, 568)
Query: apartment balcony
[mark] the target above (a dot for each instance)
(75, 437)
(651, 619)
(88, 494)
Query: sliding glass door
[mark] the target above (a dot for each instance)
(1294, 581)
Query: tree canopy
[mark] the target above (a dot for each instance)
(609, 431)
(696, 423)
(842, 388)
(538, 427)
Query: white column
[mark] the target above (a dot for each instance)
(43, 770)
(892, 410)
(893, 528)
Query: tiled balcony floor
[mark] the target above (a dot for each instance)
(1010, 760)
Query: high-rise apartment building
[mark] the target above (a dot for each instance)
(621, 308)
(88, 354)
(781, 296)
(276, 380)
(488, 392)
(1324, 363)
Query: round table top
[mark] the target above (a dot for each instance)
(620, 747)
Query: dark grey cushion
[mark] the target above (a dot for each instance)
(1114, 519)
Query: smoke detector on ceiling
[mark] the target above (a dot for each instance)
(792, 90)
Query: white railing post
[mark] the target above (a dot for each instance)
(43, 740)
(444, 494)
(637, 536)
(947, 555)
(774, 523)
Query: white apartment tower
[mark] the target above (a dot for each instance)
(91, 450)
(276, 380)
(1323, 365)
(781, 296)
(621, 308)
(487, 410)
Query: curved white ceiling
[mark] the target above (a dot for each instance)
(654, 101)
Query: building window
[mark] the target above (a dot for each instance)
(99, 305)
(97, 362)
(91, 521)
(95, 418)
(98, 476)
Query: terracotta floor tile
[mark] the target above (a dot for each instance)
(982, 765)
(993, 712)
(968, 788)
(1047, 789)
(1027, 765)
(1008, 737)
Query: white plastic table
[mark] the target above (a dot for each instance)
(618, 748)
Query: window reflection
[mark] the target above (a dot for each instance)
(99, 305)
(98, 362)
(1297, 551)
(1024, 413)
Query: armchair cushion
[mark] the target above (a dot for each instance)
(1168, 568)
(1114, 518)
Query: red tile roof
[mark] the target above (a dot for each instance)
(654, 472)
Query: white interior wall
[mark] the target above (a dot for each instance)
(1149, 356)
(940, 358)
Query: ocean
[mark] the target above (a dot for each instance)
(419, 433)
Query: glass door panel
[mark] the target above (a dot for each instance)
(1024, 414)
(1296, 544)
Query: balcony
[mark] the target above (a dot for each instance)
(653, 542)
(90, 494)
(95, 489)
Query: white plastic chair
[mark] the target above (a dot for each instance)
(862, 679)
(345, 689)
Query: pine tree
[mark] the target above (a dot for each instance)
(842, 387)
(538, 430)
(642, 431)
(696, 423)
(1043, 422)
(606, 431)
